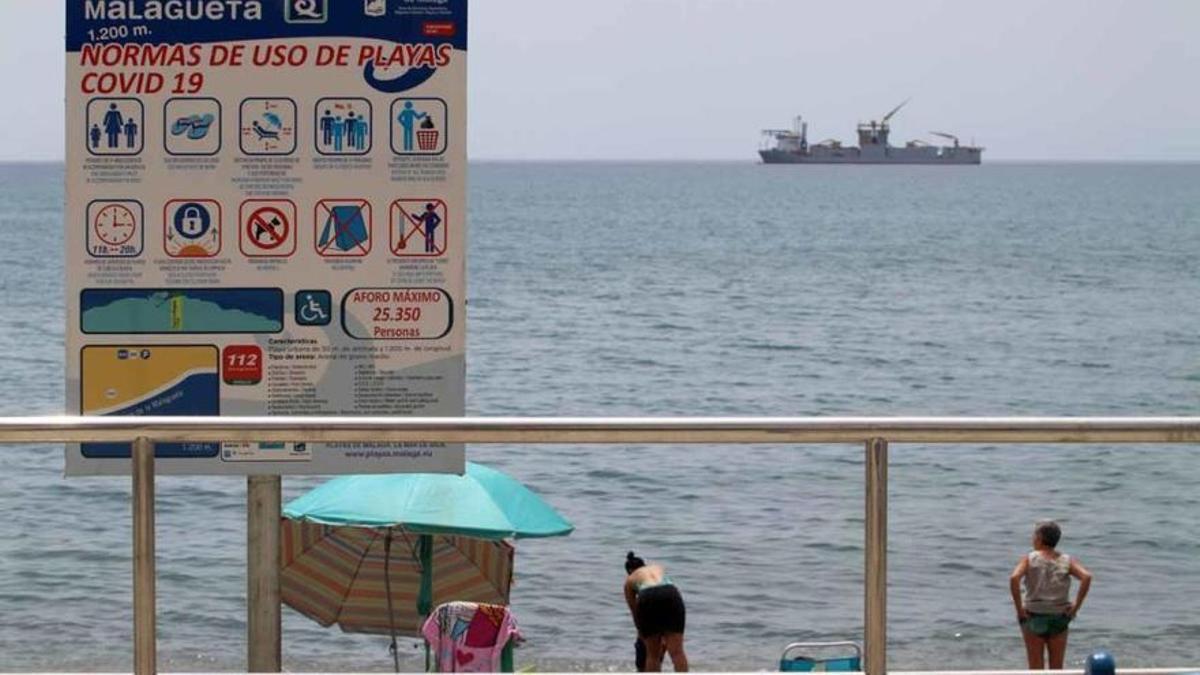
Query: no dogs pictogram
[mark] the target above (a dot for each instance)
(268, 228)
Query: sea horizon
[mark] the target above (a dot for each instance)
(755, 160)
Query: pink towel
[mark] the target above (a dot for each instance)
(468, 637)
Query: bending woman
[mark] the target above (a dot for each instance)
(658, 612)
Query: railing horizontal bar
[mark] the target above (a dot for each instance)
(1122, 671)
(609, 430)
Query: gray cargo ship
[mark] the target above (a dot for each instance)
(791, 146)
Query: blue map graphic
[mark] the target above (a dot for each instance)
(197, 310)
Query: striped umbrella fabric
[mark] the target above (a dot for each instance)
(335, 574)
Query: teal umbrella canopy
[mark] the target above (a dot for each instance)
(483, 503)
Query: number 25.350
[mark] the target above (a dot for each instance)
(398, 314)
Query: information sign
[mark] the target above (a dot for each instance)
(265, 216)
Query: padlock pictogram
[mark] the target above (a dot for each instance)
(192, 228)
(192, 220)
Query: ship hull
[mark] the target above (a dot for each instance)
(853, 156)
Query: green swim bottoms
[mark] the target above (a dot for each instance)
(1046, 625)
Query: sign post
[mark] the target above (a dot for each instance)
(145, 613)
(264, 631)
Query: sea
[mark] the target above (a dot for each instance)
(681, 289)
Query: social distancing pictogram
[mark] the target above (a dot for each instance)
(267, 228)
(343, 228)
(418, 228)
(267, 126)
(343, 126)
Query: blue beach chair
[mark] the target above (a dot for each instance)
(798, 657)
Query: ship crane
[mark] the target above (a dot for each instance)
(895, 110)
(876, 132)
(946, 135)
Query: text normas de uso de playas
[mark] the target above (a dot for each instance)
(100, 58)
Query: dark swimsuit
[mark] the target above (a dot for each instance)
(1047, 625)
(659, 609)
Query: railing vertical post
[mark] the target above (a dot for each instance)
(145, 657)
(263, 625)
(875, 556)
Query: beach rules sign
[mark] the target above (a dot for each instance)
(265, 215)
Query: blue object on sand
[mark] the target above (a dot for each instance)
(798, 658)
(1100, 663)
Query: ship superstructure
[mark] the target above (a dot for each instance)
(791, 146)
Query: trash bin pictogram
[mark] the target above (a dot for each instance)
(428, 135)
(427, 139)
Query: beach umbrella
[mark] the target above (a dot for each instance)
(375, 553)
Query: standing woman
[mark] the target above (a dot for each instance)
(658, 612)
(1045, 609)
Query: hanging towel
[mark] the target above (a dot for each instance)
(468, 637)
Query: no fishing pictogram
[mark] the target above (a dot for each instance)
(418, 228)
(268, 228)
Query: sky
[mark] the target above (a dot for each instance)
(699, 79)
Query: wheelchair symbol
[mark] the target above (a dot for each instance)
(313, 312)
(314, 308)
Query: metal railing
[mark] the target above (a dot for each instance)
(874, 433)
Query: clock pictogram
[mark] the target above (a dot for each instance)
(115, 224)
(115, 228)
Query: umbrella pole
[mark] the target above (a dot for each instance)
(387, 590)
(425, 596)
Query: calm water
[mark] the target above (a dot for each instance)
(719, 289)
